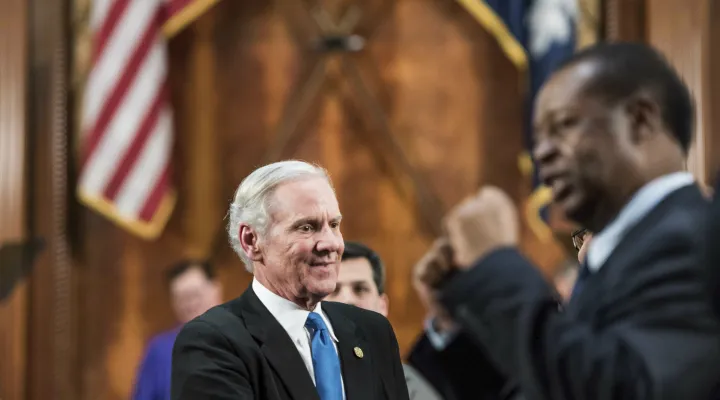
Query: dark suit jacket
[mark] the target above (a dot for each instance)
(641, 328)
(461, 371)
(239, 351)
(713, 249)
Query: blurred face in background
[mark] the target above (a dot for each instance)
(356, 286)
(192, 293)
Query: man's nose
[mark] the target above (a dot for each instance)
(330, 241)
(545, 154)
(544, 151)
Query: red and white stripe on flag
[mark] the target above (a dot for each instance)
(127, 122)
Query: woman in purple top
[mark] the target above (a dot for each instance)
(193, 290)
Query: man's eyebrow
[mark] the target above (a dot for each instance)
(312, 220)
(304, 220)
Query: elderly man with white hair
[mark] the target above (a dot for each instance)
(279, 340)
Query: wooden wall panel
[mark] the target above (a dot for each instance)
(625, 20)
(51, 352)
(686, 45)
(712, 127)
(452, 103)
(454, 132)
(13, 310)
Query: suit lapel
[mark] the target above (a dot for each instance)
(688, 197)
(277, 347)
(356, 370)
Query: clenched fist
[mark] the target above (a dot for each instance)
(429, 273)
(433, 267)
(481, 224)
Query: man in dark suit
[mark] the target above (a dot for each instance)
(612, 129)
(279, 340)
(448, 357)
(713, 247)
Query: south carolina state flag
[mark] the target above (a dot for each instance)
(536, 35)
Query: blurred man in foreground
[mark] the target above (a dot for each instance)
(713, 249)
(279, 340)
(612, 130)
(193, 290)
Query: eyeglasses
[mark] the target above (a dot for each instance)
(578, 237)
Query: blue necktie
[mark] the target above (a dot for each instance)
(583, 275)
(325, 359)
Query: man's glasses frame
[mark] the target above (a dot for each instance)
(578, 237)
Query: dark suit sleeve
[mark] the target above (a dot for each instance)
(459, 371)
(205, 367)
(712, 263)
(398, 375)
(653, 344)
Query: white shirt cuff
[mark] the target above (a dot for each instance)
(438, 340)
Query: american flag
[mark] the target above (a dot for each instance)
(127, 122)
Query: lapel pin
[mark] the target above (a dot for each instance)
(358, 352)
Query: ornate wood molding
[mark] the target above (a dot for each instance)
(625, 20)
(339, 38)
(52, 347)
(686, 45)
(13, 199)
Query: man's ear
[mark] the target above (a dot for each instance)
(250, 242)
(645, 117)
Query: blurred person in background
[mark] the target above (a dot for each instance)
(193, 290)
(361, 282)
(450, 359)
(612, 129)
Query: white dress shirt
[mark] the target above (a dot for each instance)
(640, 205)
(292, 318)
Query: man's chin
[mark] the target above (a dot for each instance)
(321, 288)
(575, 209)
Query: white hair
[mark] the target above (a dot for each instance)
(252, 197)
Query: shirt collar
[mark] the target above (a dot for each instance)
(291, 316)
(649, 196)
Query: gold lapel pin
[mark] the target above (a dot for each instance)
(358, 352)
